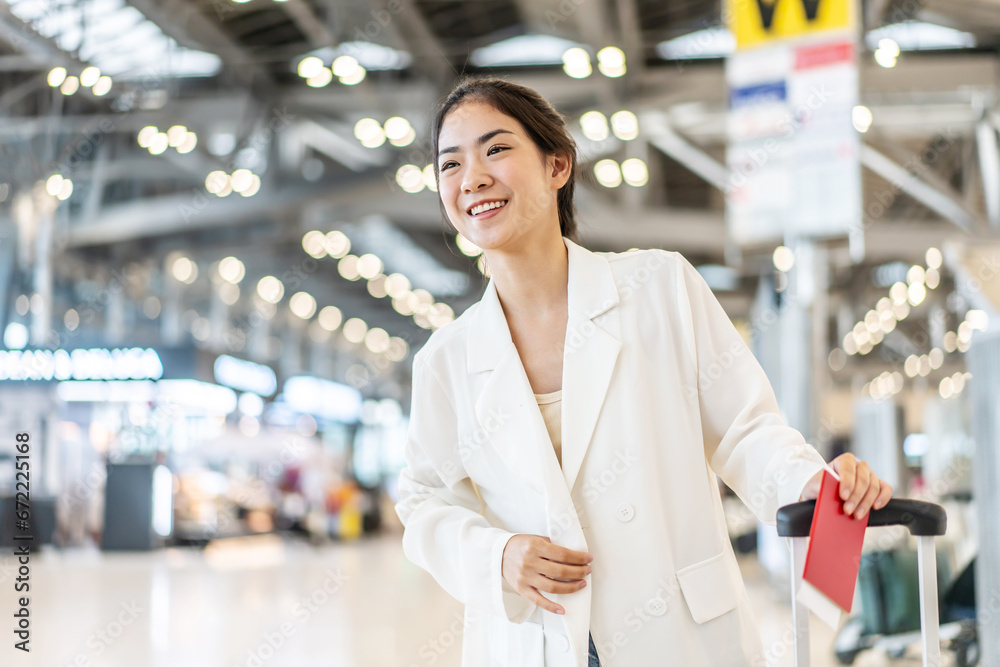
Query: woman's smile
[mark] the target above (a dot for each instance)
(486, 209)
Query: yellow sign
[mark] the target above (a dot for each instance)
(760, 22)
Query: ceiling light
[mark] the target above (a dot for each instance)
(886, 58)
(594, 125)
(410, 178)
(430, 178)
(216, 182)
(625, 125)
(241, 179)
(608, 173)
(330, 318)
(898, 292)
(190, 141)
(146, 136)
(576, 63)
(345, 66)
(102, 87)
(56, 76)
(783, 258)
(611, 61)
(320, 79)
(159, 143)
(369, 132)
(253, 188)
(355, 329)
(369, 266)
(348, 267)
(396, 285)
(915, 274)
(356, 77)
(53, 184)
(231, 270)
(176, 135)
(377, 340)
(396, 127)
(337, 244)
(406, 139)
(302, 305)
(634, 172)
(862, 118)
(889, 45)
(309, 67)
(467, 247)
(70, 85)
(934, 258)
(184, 270)
(979, 320)
(270, 289)
(89, 76)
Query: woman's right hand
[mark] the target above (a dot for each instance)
(531, 564)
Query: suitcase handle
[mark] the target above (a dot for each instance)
(923, 519)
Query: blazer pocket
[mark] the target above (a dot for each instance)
(521, 644)
(709, 588)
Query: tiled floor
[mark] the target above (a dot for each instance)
(272, 603)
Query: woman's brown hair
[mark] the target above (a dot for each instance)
(545, 126)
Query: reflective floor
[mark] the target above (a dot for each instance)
(273, 603)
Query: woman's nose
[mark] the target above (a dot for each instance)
(475, 180)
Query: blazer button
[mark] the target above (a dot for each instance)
(563, 643)
(625, 512)
(656, 606)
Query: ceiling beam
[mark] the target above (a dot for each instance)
(25, 39)
(183, 20)
(310, 24)
(946, 204)
(421, 42)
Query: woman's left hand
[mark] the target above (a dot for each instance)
(860, 488)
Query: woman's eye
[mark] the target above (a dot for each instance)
(446, 165)
(492, 148)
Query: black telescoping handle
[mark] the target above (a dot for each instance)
(920, 518)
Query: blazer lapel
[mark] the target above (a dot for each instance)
(509, 417)
(593, 341)
(506, 408)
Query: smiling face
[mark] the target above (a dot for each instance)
(496, 185)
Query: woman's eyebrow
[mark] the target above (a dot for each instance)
(479, 142)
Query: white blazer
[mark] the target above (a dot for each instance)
(660, 394)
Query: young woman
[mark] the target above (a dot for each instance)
(566, 430)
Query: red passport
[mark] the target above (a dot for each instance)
(834, 553)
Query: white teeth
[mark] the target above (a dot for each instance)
(476, 210)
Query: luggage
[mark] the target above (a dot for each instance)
(924, 521)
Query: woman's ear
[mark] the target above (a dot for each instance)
(560, 166)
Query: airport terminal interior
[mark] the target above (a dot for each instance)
(222, 245)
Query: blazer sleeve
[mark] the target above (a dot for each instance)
(747, 442)
(444, 531)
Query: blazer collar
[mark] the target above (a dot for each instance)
(590, 354)
(592, 291)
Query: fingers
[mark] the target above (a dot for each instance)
(862, 478)
(874, 487)
(542, 601)
(884, 495)
(845, 465)
(554, 570)
(543, 583)
(559, 554)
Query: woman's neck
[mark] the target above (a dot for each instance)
(532, 281)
